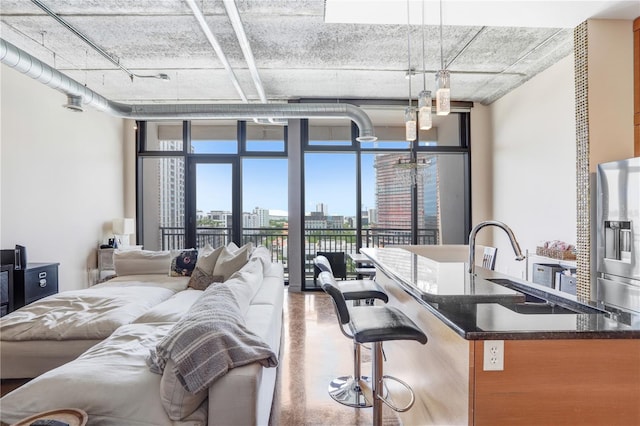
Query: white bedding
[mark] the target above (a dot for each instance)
(91, 313)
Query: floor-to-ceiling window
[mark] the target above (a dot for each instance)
(212, 182)
(216, 181)
(387, 192)
(265, 190)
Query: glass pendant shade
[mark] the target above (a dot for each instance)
(410, 124)
(443, 93)
(424, 109)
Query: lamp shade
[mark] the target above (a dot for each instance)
(443, 93)
(123, 226)
(410, 123)
(424, 110)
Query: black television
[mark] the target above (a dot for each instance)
(16, 257)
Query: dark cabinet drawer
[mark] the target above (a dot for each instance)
(38, 280)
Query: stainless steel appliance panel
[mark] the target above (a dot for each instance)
(619, 294)
(618, 218)
(618, 234)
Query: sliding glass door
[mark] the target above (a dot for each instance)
(212, 202)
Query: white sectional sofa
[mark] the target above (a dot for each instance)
(113, 383)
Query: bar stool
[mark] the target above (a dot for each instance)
(374, 324)
(346, 389)
(355, 290)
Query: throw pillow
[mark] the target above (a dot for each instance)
(184, 263)
(229, 262)
(205, 251)
(207, 262)
(200, 280)
(202, 275)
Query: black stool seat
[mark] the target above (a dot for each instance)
(382, 323)
(362, 289)
(353, 289)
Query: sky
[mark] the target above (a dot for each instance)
(330, 179)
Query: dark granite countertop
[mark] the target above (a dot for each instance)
(477, 308)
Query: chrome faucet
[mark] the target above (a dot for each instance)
(472, 241)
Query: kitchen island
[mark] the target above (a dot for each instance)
(549, 359)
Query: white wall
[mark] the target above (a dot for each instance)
(481, 169)
(534, 163)
(62, 177)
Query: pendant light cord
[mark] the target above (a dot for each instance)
(424, 67)
(441, 54)
(409, 49)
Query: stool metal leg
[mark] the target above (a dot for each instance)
(377, 381)
(346, 389)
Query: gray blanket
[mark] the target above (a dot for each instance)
(209, 340)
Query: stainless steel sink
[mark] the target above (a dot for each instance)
(536, 304)
(540, 308)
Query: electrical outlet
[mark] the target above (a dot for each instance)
(493, 355)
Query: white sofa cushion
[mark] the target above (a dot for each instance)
(110, 381)
(140, 262)
(172, 309)
(245, 283)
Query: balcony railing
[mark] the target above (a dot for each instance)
(325, 240)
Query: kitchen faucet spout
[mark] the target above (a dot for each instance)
(472, 241)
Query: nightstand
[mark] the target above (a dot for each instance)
(36, 281)
(105, 263)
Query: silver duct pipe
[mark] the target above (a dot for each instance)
(20, 60)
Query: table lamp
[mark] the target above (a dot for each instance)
(122, 228)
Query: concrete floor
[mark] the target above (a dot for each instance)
(314, 352)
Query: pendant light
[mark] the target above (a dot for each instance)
(424, 97)
(443, 90)
(411, 132)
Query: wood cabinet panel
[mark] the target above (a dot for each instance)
(586, 382)
(636, 85)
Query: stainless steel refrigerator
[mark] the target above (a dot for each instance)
(618, 234)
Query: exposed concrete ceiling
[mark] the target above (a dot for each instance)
(297, 52)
